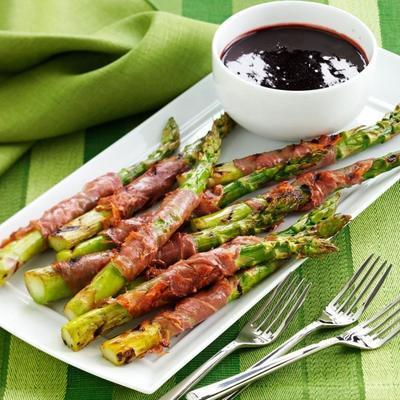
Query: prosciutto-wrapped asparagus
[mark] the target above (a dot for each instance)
(155, 334)
(242, 176)
(141, 246)
(23, 244)
(187, 277)
(305, 192)
(250, 216)
(251, 173)
(145, 190)
(65, 278)
(248, 174)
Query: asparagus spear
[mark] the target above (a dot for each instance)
(149, 187)
(93, 245)
(140, 248)
(93, 221)
(157, 292)
(27, 242)
(254, 215)
(316, 153)
(48, 284)
(65, 278)
(254, 172)
(156, 333)
(170, 139)
(342, 145)
(307, 189)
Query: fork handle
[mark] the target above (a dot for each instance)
(184, 386)
(226, 386)
(284, 348)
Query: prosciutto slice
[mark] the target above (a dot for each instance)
(269, 159)
(195, 309)
(118, 233)
(179, 247)
(141, 246)
(78, 273)
(72, 207)
(210, 200)
(322, 184)
(144, 190)
(324, 145)
(184, 278)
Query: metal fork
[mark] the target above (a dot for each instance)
(266, 325)
(343, 310)
(370, 335)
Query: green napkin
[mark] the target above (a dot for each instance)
(66, 65)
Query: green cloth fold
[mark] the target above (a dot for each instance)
(67, 65)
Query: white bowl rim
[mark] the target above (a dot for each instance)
(371, 60)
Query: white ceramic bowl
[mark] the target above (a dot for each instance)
(284, 114)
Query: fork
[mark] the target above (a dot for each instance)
(370, 335)
(342, 310)
(265, 326)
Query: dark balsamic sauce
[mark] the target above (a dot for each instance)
(294, 57)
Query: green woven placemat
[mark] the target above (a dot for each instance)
(26, 373)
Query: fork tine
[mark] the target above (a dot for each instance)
(280, 294)
(376, 289)
(368, 286)
(388, 328)
(292, 312)
(377, 329)
(380, 313)
(283, 305)
(278, 304)
(349, 285)
(394, 333)
(353, 278)
(269, 299)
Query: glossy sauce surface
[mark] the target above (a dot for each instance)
(294, 57)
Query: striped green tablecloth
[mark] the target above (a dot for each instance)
(26, 373)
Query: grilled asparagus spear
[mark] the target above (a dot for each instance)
(157, 332)
(308, 189)
(27, 242)
(144, 190)
(63, 279)
(288, 163)
(141, 246)
(80, 331)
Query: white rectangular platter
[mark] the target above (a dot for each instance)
(194, 111)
